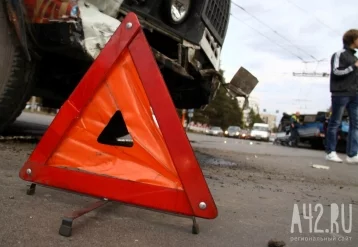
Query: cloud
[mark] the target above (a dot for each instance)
(305, 29)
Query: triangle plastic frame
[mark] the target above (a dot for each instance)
(194, 200)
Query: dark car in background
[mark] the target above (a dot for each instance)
(244, 134)
(312, 130)
(233, 131)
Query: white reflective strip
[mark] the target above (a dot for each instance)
(337, 71)
(154, 118)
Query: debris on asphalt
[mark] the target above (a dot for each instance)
(251, 143)
(211, 177)
(208, 160)
(11, 197)
(276, 243)
(320, 167)
(24, 139)
(219, 162)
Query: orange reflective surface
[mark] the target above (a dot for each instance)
(148, 161)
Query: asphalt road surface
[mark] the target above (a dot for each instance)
(255, 186)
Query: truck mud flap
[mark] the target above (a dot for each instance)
(242, 84)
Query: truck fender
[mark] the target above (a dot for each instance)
(16, 13)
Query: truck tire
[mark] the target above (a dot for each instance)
(15, 73)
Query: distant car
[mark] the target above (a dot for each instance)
(272, 137)
(215, 131)
(233, 131)
(244, 134)
(260, 131)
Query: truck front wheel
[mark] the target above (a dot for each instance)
(15, 73)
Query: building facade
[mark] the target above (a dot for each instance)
(269, 119)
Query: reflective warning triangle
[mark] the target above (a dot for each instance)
(119, 137)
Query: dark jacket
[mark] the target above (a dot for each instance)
(344, 75)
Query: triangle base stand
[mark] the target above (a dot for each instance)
(31, 190)
(68, 219)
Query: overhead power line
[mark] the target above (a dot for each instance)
(316, 18)
(269, 10)
(281, 46)
(277, 33)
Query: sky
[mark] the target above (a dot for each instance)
(270, 37)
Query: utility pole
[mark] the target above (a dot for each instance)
(33, 103)
(190, 115)
(183, 112)
(311, 74)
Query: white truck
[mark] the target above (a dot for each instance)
(260, 131)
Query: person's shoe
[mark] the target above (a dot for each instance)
(332, 156)
(352, 160)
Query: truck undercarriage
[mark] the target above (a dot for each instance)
(59, 40)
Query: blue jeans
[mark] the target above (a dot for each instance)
(339, 104)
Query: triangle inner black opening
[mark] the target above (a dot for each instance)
(116, 132)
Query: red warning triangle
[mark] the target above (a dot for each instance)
(105, 141)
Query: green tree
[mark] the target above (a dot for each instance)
(254, 118)
(223, 111)
(251, 117)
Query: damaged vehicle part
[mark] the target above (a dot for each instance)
(63, 37)
(193, 34)
(241, 85)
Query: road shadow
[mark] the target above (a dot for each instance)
(20, 128)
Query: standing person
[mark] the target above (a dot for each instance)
(344, 90)
(295, 122)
